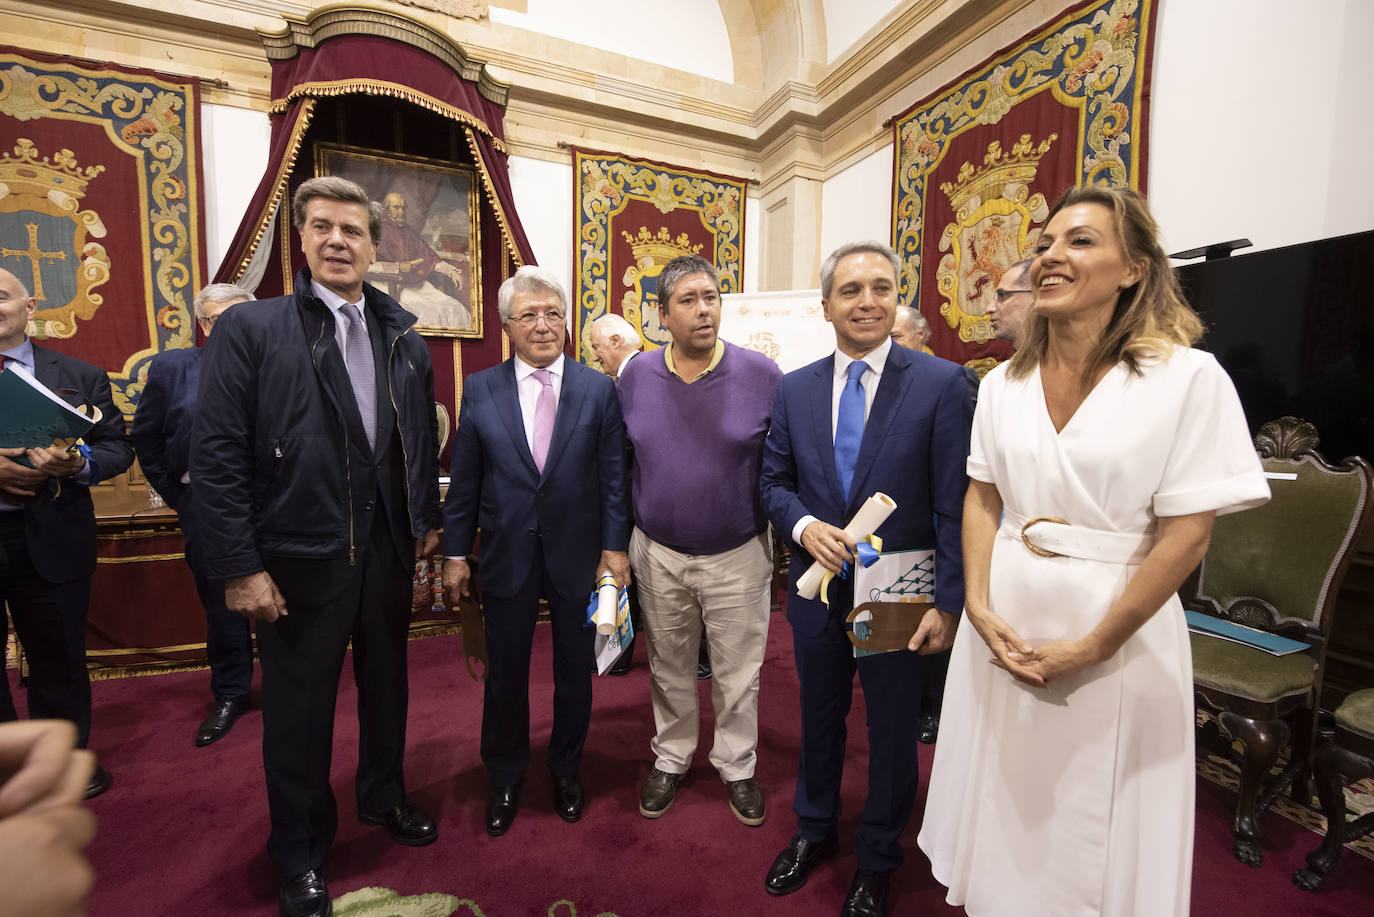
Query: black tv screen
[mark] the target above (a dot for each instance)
(1294, 327)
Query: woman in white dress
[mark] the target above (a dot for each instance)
(1063, 777)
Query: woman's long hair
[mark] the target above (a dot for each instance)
(1151, 317)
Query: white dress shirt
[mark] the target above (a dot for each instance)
(335, 302)
(529, 388)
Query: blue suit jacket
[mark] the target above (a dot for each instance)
(165, 420)
(915, 444)
(578, 507)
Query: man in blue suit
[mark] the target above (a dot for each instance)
(162, 435)
(871, 417)
(539, 466)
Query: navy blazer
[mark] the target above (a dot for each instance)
(165, 420)
(60, 520)
(577, 508)
(914, 448)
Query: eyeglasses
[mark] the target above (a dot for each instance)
(1004, 295)
(531, 319)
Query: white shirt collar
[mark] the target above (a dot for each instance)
(524, 370)
(334, 301)
(875, 358)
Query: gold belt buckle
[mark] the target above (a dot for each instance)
(1036, 548)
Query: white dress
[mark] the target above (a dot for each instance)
(1078, 798)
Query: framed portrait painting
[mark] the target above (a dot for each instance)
(429, 258)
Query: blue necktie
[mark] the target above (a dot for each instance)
(849, 426)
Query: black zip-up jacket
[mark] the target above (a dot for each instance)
(274, 471)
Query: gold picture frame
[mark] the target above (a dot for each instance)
(429, 258)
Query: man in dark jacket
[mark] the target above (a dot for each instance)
(316, 473)
(163, 436)
(47, 527)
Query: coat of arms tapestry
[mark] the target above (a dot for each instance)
(978, 163)
(630, 218)
(100, 208)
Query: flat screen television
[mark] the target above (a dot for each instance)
(1294, 327)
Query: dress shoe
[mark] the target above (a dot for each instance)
(867, 895)
(930, 728)
(568, 798)
(622, 665)
(305, 895)
(746, 801)
(407, 824)
(502, 804)
(220, 720)
(794, 865)
(100, 782)
(658, 793)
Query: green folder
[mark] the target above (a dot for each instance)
(33, 416)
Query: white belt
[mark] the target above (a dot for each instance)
(1049, 536)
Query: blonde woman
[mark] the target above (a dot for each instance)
(1063, 777)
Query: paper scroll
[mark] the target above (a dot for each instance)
(606, 602)
(872, 514)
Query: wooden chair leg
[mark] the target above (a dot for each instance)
(1334, 768)
(1304, 742)
(1262, 740)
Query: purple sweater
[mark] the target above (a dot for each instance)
(698, 449)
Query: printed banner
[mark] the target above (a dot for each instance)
(100, 208)
(787, 326)
(633, 216)
(978, 164)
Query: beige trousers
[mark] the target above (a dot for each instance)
(726, 593)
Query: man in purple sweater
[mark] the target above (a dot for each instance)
(697, 413)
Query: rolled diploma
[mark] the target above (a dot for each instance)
(604, 619)
(872, 514)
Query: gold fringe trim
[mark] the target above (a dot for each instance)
(495, 201)
(273, 203)
(381, 88)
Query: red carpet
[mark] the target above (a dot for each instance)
(182, 831)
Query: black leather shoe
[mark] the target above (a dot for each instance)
(305, 895)
(794, 865)
(220, 720)
(930, 728)
(867, 895)
(568, 798)
(407, 824)
(100, 782)
(502, 804)
(622, 665)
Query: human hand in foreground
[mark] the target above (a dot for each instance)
(43, 826)
(1009, 650)
(831, 547)
(427, 545)
(457, 579)
(616, 563)
(56, 463)
(1060, 659)
(935, 633)
(15, 479)
(255, 597)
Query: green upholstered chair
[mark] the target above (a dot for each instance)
(1276, 568)
(1348, 756)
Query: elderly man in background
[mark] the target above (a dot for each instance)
(47, 527)
(1012, 302)
(910, 329)
(697, 412)
(162, 434)
(539, 466)
(614, 342)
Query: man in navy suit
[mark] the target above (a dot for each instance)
(539, 466)
(871, 417)
(162, 435)
(47, 527)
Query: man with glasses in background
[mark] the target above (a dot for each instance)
(1012, 302)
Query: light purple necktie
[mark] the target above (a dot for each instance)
(544, 409)
(362, 369)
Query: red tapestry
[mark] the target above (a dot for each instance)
(100, 207)
(978, 164)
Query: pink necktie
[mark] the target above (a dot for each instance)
(544, 409)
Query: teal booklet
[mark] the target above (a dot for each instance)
(34, 416)
(1272, 644)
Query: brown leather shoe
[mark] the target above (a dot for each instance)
(658, 793)
(746, 801)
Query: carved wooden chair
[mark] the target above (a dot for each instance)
(1347, 757)
(1277, 568)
